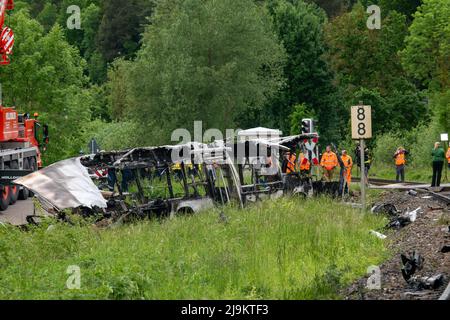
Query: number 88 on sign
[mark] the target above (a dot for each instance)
(361, 122)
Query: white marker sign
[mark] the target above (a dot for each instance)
(361, 122)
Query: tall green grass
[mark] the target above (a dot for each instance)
(284, 249)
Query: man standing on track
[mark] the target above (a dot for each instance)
(329, 162)
(438, 154)
(304, 165)
(289, 163)
(345, 177)
(348, 164)
(367, 162)
(400, 162)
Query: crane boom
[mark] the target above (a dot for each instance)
(21, 137)
(7, 35)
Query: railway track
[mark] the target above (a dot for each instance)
(385, 182)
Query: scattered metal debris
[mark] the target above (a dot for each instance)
(426, 235)
(413, 214)
(411, 264)
(378, 234)
(404, 219)
(386, 208)
(65, 184)
(419, 283)
(416, 294)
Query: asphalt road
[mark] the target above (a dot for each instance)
(16, 214)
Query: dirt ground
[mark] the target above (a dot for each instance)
(427, 235)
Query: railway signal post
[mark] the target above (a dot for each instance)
(362, 130)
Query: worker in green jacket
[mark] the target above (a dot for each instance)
(438, 154)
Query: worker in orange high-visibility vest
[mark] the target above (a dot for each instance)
(303, 164)
(447, 155)
(329, 162)
(290, 160)
(400, 162)
(348, 164)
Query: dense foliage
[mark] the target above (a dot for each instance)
(138, 69)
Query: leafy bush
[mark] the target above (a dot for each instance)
(113, 135)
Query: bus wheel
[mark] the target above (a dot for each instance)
(4, 198)
(14, 194)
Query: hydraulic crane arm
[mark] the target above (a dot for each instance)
(7, 35)
(5, 5)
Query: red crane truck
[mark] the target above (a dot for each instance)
(21, 137)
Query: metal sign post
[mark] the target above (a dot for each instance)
(361, 130)
(93, 146)
(362, 145)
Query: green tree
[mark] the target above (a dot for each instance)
(334, 8)
(47, 17)
(363, 57)
(427, 53)
(50, 12)
(309, 80)
(97, 68)
(203, 60)
(46, 75)
(118, 85)
(406, 7)
(440, 104)
(368, 68)
(120, 30)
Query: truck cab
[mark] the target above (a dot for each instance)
(22, 141)
(32, 132)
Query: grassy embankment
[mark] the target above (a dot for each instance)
(285, 249)
(412, 173)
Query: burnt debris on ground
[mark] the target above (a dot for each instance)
(417, 237)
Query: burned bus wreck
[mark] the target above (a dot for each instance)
(170, 180)
(165, 181)
(259, 165)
